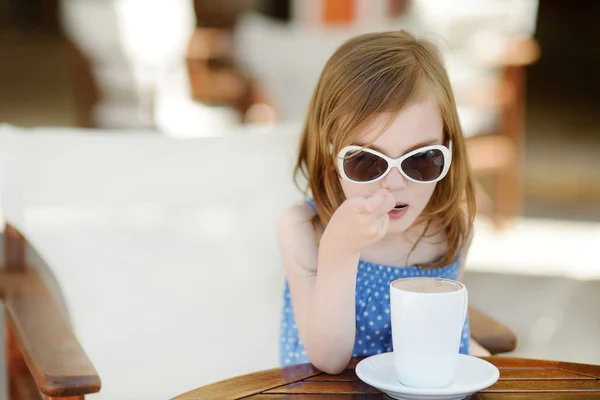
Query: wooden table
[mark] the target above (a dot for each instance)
(520, 379)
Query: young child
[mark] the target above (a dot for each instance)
(392, 197)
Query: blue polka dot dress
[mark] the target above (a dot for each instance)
(373, 326)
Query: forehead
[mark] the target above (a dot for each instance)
(418, 122)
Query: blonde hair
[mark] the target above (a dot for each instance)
(369, 76)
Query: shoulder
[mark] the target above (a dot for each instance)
(297, 215)
(296, 237)
(469, 226)
(465, 246)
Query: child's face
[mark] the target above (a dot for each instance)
(417, 125)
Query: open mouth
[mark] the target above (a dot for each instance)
(400, 206)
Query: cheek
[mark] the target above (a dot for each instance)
(423, 192)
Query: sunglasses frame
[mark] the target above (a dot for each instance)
(396, 162)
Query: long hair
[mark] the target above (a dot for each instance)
(369, 76)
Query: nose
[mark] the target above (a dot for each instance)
(394, 180)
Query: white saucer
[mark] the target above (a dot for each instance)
(473, 374)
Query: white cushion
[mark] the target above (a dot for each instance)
(165, 248)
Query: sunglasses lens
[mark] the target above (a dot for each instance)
(362, 166)
(425, 166)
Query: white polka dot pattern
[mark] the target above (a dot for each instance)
(373, 332)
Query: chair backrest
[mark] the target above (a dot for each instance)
(164, 249)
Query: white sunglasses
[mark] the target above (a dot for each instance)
(425, 165)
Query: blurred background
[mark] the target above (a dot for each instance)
(524, 73)
(186, 68)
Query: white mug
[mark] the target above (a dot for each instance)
(427, 315)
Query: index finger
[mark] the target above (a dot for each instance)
(380, 203)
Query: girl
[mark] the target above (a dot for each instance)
(392, 197)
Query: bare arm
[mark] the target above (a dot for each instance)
(322, 298)
(322, 276)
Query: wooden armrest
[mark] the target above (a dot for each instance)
(489, 333)
(40, 329)
(491, 153)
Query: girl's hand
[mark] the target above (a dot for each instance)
(360, 221)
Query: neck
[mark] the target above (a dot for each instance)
(400, 248)
(410, 235)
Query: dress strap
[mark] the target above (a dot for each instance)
(311, 203)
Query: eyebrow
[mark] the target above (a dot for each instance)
(427, 142)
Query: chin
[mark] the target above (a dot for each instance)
(400, 226)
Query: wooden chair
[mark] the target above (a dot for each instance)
(89, 246)
(497, 155)
(43, 353)
(45, 356)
